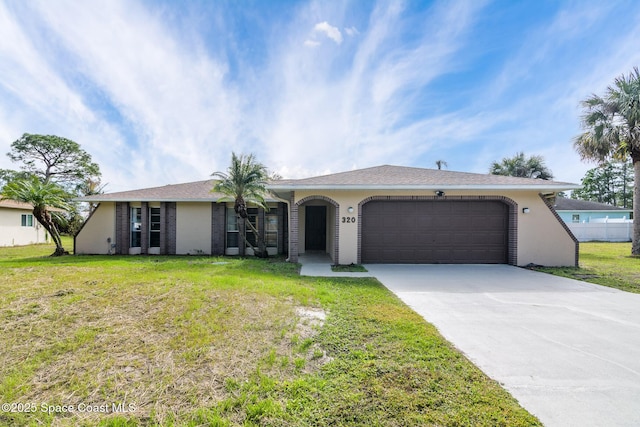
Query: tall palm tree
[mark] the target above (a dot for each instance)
(612, 131)
(42, 196)
(245, 182)
(519, 165)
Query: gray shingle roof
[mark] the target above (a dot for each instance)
(409, 177)
(379, 177)
(564, 204)
(190, 191)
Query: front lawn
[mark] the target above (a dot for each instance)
(604, 263)
(115, 341)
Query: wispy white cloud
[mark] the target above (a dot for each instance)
(182, 110)
(351, 31)
(541, 84)
(157, 101)
(364, 114)
(330, 31)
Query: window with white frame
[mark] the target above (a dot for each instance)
(26, 220)
(232, 229)
(575, 218)
(136, 227)
(154, 227)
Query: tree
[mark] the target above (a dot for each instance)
(51, 158)
(519, 165)
(611, 183)
(91, 187)
(245, 182)
(54, 159)
(441, 163)
(611, 126)
(42, 196)
(8, 175)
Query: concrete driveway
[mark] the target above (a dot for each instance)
(569, 351)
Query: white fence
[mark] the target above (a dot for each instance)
(609, 231)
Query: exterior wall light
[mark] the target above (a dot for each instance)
(350, 209)
(525, 210)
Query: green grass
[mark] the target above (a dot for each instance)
(189, 341)
(604, 263)
(352, 268)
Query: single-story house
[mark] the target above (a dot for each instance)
(18, 227)
(583, 211)
(181, 219)
(592, 221)
(384, 214)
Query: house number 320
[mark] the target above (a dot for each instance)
(348, 219)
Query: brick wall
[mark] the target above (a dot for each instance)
(218, 226)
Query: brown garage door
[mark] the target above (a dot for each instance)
(435, 231)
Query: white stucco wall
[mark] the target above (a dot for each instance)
(101, 226)
(193, 228)
(12, 233)
(542, 239)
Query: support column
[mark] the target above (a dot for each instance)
(144, 228)
(218, 226)
(123, 222)
(293, 232)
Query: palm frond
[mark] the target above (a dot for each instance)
(612, 123)
(246, 179)
(37, 193)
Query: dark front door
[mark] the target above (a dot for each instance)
(315, 228)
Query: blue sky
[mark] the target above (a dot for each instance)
(162, 92)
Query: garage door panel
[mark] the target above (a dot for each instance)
(438, 231)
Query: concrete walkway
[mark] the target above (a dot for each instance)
(568, 351)
(319, 265)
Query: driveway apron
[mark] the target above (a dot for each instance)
(568, 351)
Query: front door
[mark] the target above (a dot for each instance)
(315, 228)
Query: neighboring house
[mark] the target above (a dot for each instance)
(384, 214)
(590, 221)
(583, 211)
(18, 226)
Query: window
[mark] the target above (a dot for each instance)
(252, 216)
(136, 227)
(270, 232)
(154, 227)
(271, 228)
(232, 228)
(575, 218)
(27, 220)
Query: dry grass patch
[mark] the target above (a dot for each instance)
(165, 345)
(203, 341)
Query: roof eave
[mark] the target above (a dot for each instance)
(552, 187)
(156, 200)
(597, 210)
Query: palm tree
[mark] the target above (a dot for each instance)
(612, 131)
(42, 196)
(245, 182)
(519, 165)
(441, 163)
